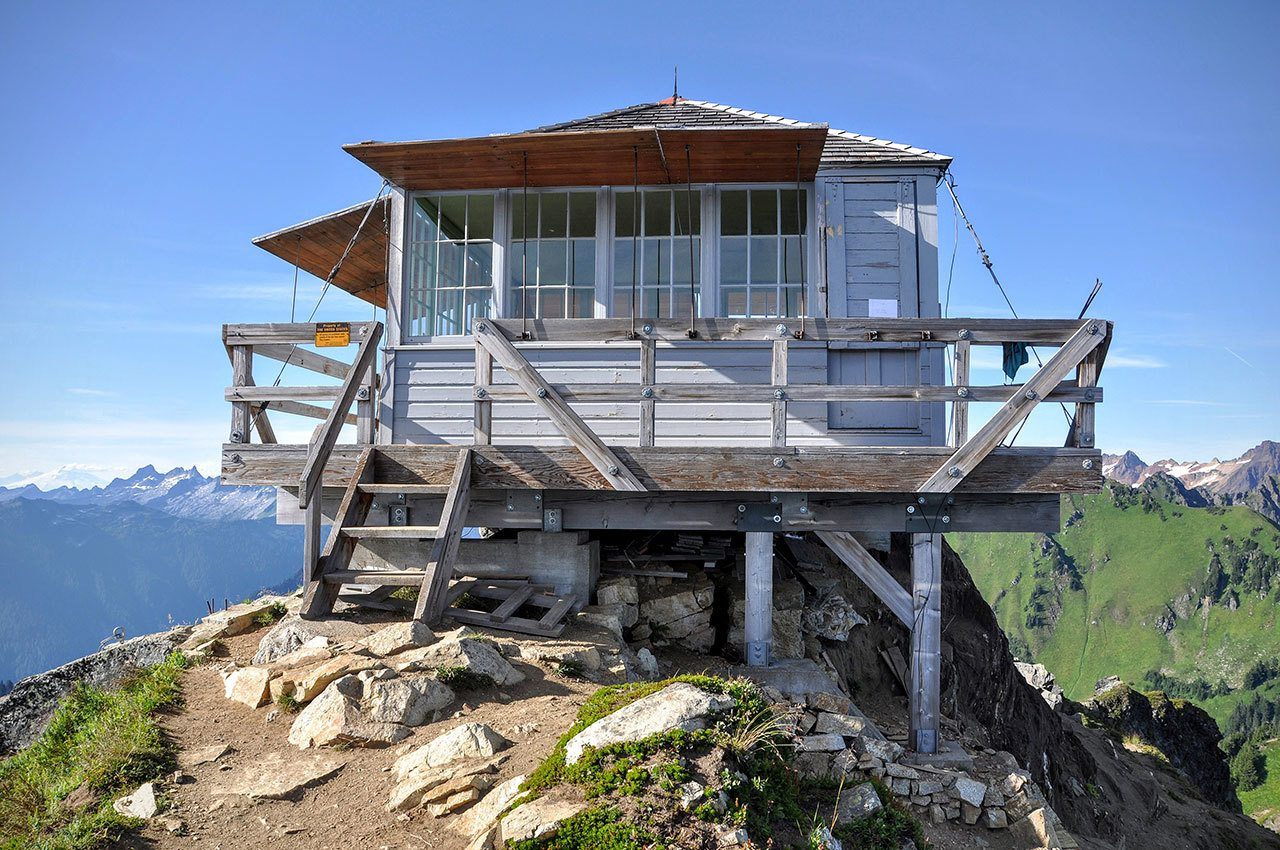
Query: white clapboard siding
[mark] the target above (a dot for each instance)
(433, 395)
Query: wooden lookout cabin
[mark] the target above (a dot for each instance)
(674, 316)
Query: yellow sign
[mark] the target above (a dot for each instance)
(333, 334)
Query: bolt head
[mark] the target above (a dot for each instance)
(481, 392)
(911, 509)
(1090, 394)
(1094, 329)
(804, 509)
(779, 394)
(1030, 394)
(778, 462)
(920, 500)
(542, 392)
(954, 472)
(781, 329)
(613, 470)
(965, 333)
(742, 509)
(647, 392)
(648, 329)
(1088, 464)
(963, 392)
(945, 519)
(363, 394)
(237, 436)
(482, 328)
(777, 518)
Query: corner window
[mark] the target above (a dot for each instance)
(651, 252)
(762, 245)
(553, 255)
(450, 280)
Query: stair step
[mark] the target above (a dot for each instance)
(399, 578)
(416, 532)
(406, 489)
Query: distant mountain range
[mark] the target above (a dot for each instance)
(136, 554)
(178, 492)
(1251, 479)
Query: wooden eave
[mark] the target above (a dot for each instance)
(600, 158)
(316, 245)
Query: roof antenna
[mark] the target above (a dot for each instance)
(675, 83)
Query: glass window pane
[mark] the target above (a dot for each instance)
(479, 264)
(519, 217)
(622, 263)
(650, 305)
(625, 211)
(657, 213)
(451, 259)
(555, 215)
(453, 216)
(764, 259)
(553, 263)
(764, 302)
(622, 302)
(551, 303)
(792, 254)
(733, 261)
(733, 213)
(791, 301)
(653, 261)
(680, 303)
(582, 303)
(425, 214)
(582, 214)
(681, 266)
(764, 211)
(480, 216)
(792, 217)
(518, 264)
(477, 305)
(449, 312)
(582, 262)
(688, 208)
(733, 301)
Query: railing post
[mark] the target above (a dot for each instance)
(778, 370)
(366, 405)
(960, 407)
(1085, 422)
(241, 376)
(483, 408)
(648, 377)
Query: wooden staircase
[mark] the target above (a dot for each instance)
(334, 567)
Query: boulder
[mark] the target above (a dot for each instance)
(850, 725)
(614, 617)
(203, 755)
(832, 617)
(399, 637)
(857, 802)
(140, 804)
(540, 818)
(461, 794)
(334, 717)
(828, 743)
(248, 686)
(307, 683)
(468, 741)
(680, 613)
(788, 613)
(886, 751)
(310, 653)
(293, 632)
(481, 817)
(1039, 677)
(409, 702)
(419, 785)
(278, 777)
(235, 620)
(617, 590)
(677, 706)
(647, 663)
(478, 656)
(970, 791)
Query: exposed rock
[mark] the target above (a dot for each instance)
(680, 613)
(857, 802)
(312, 652)
(689, 795)
(788, 612)
(483, 815)
(832, 617)
(248, 686)
(279, 777)
(994, 818)
(235, 620)
(677, 706)
(425, 784)
(25, 711)
(1041, 828)
(203, 755)
(970, 791)
(828, 743)
(468, 741)
(617, 590)
(827, 701)
(540, 818)
(846, 724)
(457, 801)
(730, 836)
(822, 839)
(409, 702)
(1039, 677)
(398, 637)
(140, 804)
(615, 618)
(647, 663)
(292, 632)
(307, 683)
(335, 718)
(478, 656)
(886, 751)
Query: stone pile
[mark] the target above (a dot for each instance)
(788, 614)
(677, 614)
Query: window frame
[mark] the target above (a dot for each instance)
(606, 199)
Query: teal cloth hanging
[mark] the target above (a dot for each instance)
(1015, 357)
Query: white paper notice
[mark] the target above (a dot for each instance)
(882, 308)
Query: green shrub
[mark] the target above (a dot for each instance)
(463, 679)
(106, 741)
(270, 614)
(883, 830)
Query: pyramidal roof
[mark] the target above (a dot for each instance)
(843, 149)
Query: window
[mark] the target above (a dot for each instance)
(561, 255)
(651, 236)
(762, 245)
(451, 263)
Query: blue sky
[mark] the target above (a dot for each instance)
(145, 144)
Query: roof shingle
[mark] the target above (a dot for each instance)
(843, 149)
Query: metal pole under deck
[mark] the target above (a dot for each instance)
(758, 624)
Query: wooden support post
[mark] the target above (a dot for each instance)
(778, 432)
(758, 625)
(648, 377)
(433, 596)
(312, 518)
(241, 376)
(960, 408)
(926, 642)
(366, 407)
(483, 408)
(319, 595)
(1085, 421)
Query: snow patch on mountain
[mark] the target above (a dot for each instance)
(69, 475)
(179, 492)
(1237, 475)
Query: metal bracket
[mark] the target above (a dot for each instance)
(930, 513)
(524, 502)
(553, 519)
(760, 517)
(398, 510)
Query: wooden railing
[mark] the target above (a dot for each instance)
(250, 403)
(1082, 346)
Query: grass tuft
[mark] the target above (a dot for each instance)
(105, 742)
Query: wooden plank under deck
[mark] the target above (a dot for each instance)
(726, 470)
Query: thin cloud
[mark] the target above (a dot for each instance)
(1134, 361)
(1188, 402)
(1238, 357)
(90, 391)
